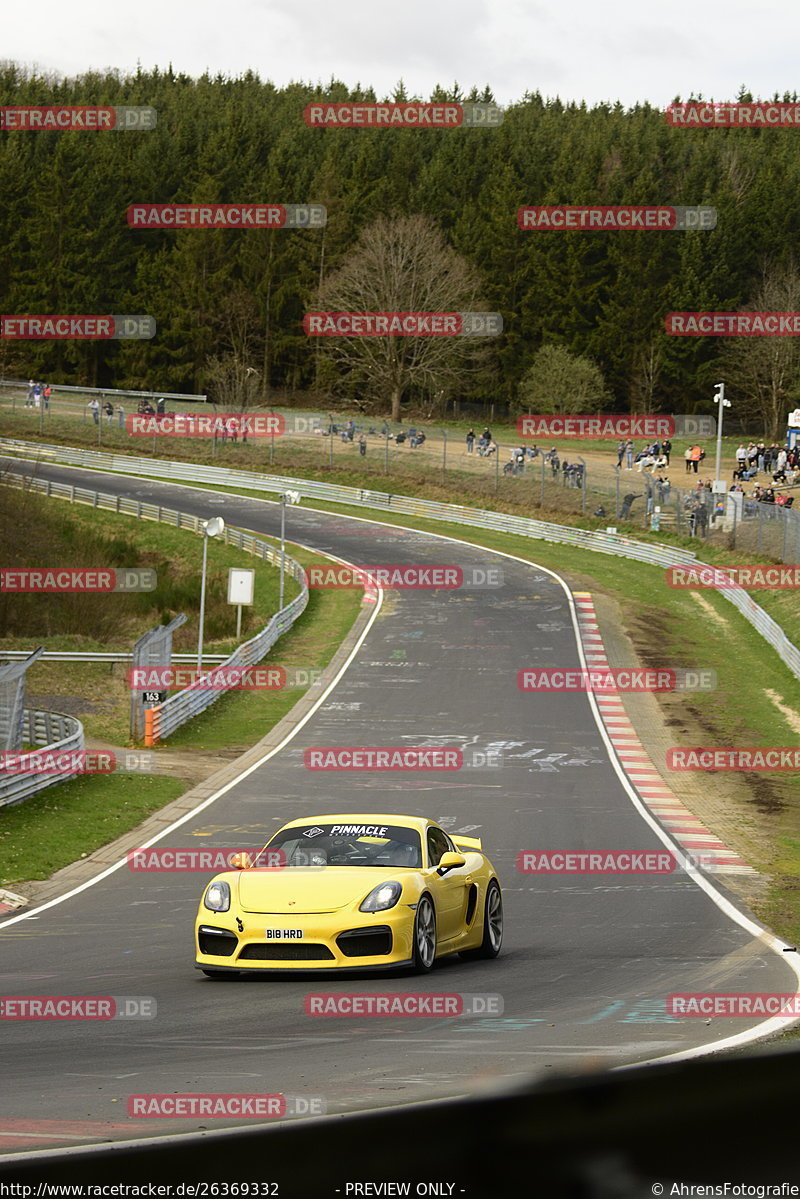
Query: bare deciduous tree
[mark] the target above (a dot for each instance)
(232, 384)
(763, 373)
(644, 377)
(403, 264)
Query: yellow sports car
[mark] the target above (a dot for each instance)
(345, 892)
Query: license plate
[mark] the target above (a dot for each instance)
(283, 934)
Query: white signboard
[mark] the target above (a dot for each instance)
(240, 586)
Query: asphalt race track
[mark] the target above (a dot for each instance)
(587, 961)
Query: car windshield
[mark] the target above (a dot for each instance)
(350, 845)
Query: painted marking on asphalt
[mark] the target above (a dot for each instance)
(686, 828)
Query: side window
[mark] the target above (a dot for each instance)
(438, 844)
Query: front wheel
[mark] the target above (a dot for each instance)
(424, 935)
(492, 925)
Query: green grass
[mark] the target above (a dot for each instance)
(70, 820)
(58, 826)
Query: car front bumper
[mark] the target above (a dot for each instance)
(322, 941)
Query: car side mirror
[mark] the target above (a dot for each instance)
(240, 861)
(450, 861)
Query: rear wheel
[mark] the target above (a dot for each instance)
(492, 925)
(424, 935)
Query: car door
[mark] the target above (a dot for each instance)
(450, 890)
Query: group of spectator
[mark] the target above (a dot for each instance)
(38, 395)
(768, 495)
(770, 459)
(652, 454)
(486, 443)
(143, 408)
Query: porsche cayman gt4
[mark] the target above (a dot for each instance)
(344, 892)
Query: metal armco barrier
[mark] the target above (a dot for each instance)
(605, 543)
(40, 728)
(167, 717)
(164, 719)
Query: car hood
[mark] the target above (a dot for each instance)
(325, 889)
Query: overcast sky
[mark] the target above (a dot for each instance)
(592, 50)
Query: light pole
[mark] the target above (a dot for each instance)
(212, 528)
(719, 398)
(294, 498)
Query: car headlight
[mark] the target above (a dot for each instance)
(384, 896)
(218, 897)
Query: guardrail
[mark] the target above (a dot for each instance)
(605, 543)
(165, 718)
(38, 728)
(192, 472)
(68, 655)
(69, 388)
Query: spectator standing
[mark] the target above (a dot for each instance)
(696, 455)
(470, 440)
(95, 407)
(29, 398)
(687, 457)
(121, 416)
(362, 445)
(629, 455)
(666, 449)
(108, 408)
(48, 391)
(620, 452)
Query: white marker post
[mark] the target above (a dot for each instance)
(241, 587)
